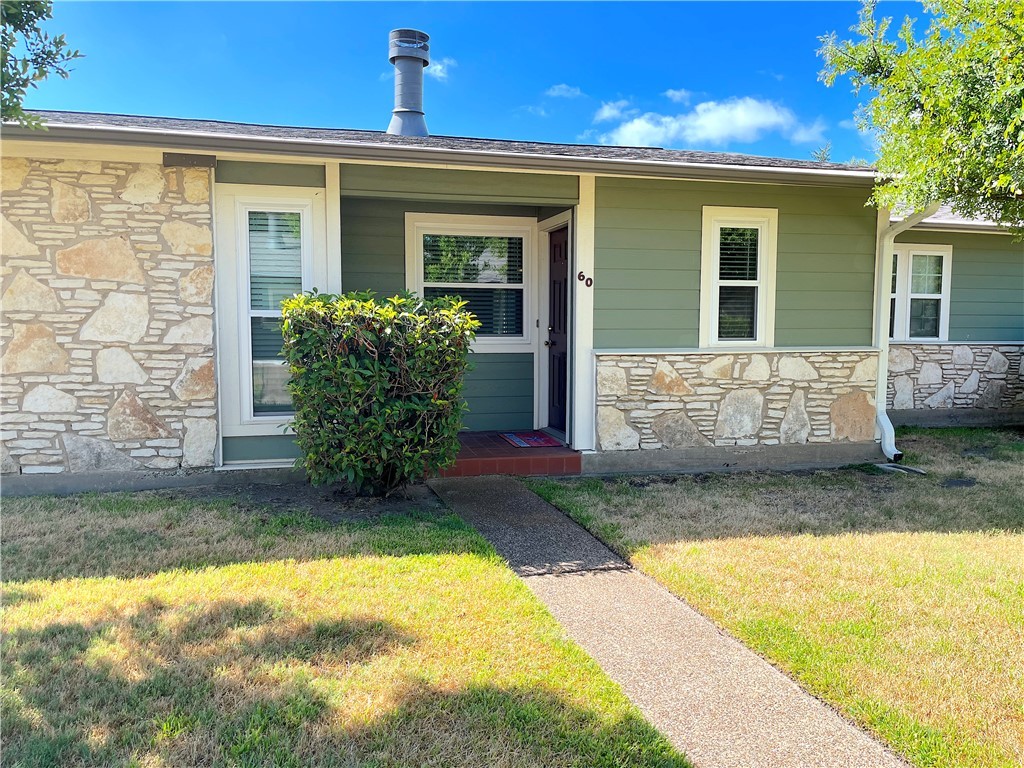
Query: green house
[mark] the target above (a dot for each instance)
(651, 309)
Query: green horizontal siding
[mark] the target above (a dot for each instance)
(272, 174)
(262, 448)
(987, 284)
(499, 392)
(537, 189)
(647, 272)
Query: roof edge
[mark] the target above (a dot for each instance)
(210, 141)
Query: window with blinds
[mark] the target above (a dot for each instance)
(485, 271)
(738, 249)
(275, 273)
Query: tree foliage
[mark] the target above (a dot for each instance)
(29, 54)
(947, 109)
(376, 385)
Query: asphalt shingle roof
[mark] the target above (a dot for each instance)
(380, 138)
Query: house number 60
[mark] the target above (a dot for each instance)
(587, 281)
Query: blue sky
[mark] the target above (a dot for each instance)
(738, 77)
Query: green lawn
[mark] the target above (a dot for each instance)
(155, 629)
(899, 599)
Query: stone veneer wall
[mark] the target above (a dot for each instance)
(693, 400)
(955, 376)
(107, 328)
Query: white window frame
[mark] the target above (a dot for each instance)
(903, 254)
(419, 224)
(766, 221)
(233, 204)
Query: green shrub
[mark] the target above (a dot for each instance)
(377, 385)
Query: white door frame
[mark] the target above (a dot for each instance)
(542, 392)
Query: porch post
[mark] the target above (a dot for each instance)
(584, 380)
(332, 191)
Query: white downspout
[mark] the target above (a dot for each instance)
(887, 232)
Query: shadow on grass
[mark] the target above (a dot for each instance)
(131, 535)
(975, 483)
(241, 683)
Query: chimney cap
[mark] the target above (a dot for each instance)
(411, 43)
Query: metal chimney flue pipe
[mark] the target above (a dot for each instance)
(409, 51)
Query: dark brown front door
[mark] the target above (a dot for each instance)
(558, 330)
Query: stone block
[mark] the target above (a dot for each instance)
(943, 398)
(963, 355)
(122, 317)
(675, 430)
(26, 294)
(930, 373)
(757, 369)
(197, 287)
(91, 454)
(900, 359)
(740, 414)
(865, 370)
(68, 204)
(12, 173)
(719, 368)
(185, 238)
(107, 258)
(996, 363)
(611, 380)
(197, 381)
(666, 381)
(796, 424)
(145, 185)
(115, 365)
(47, 399)
(200, 442)
(853, 417)
(903, 398)
(796, 369)
(198, 330)
(131, 419)
(970, 386)
(197, 185)
(992, 395)
(613, 433)
(13, 242)
(34, 349)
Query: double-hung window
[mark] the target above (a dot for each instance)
(738, 248)
(275, 237)
(919, 293)
(485, 260)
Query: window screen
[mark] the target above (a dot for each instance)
(485, 271)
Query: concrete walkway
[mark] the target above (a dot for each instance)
(717, 702)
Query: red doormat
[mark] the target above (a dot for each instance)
(530, 440)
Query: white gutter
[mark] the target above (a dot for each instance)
(887, 232)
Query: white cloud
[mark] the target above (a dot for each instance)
(613, 110)
(563, 91)
(678, 95)
(440, 69)
(537, 110)
(742, 120)
(849, 125)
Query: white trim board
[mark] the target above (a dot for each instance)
(542, 363)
